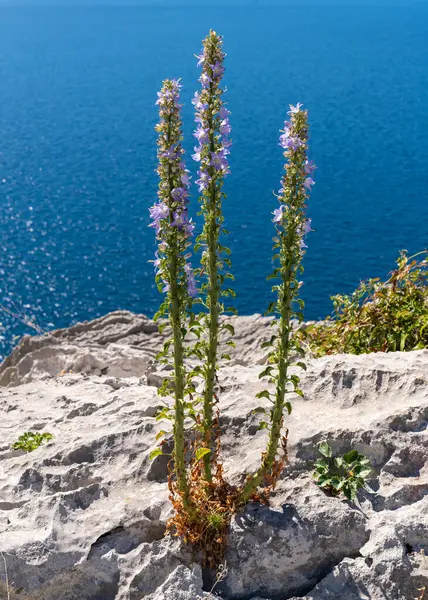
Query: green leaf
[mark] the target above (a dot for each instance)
(324, 480)
(365, 472)
(349, 457)
(337, 483)
(258, 410)
(325, 450)
(229, 328)
(266, 372)
(160, 434)
(263, 394)
(288, 407)
(154, 453)
(263, 425)
(302, 365)
(201, 452)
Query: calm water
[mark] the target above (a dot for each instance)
(77, 146)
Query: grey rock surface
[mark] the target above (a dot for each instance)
(84, 517)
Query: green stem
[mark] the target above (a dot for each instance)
(179, 375)
(175, 319)
(211, 367)
(283, 362)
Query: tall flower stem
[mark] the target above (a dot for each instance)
(291, 227)
(212, 134)
(173, 274)
(176, 324)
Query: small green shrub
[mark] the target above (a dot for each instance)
(30, 441)
(346, 474)
(379, 316)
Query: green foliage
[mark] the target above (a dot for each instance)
(30, 441)
(379, 316)
(216, 520)
(342, 474)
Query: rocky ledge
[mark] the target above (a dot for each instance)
(83, 517)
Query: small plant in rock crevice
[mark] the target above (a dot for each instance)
(30, 441)
(342, 474)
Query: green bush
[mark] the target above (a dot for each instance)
(379, 316)
(30, 441)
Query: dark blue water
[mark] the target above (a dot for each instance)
(77, 146)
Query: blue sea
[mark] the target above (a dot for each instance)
(78, 146)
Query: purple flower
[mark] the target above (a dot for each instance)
(278, 213)
(224, 112)
(219, 160)
(290, 142)
(306, 228)
(302, 244)
(203, 182)
(295, 109)
(191, 283)
(201, 135)
(179, 194)
(185, 178)
(225, 127)
(309, 182)
(157, 262)
(157, 213)
(197, 103)
(170, 154)
(205, 80)
(217, 69)
(201, 58)
(188, 227)
(197, 155)
(166, 286)
(309, 167)
(161, 98)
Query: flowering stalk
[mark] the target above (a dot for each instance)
(174, 275)
(291, 227)
(212, 134)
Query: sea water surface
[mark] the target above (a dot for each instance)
(78, 146)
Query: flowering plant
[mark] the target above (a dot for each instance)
(174, 275)
(211, 153)
(292, 226)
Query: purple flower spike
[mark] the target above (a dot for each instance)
(169, 215)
